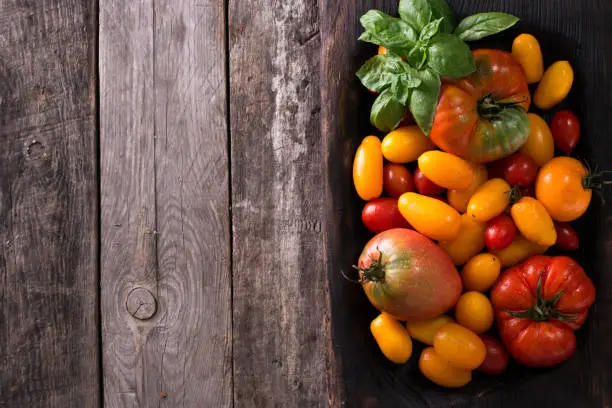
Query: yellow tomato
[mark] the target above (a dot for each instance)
(481, 272)
(489, 200)
(534, 222)
(519, 250)
(446, 170)
(426, 330)
(555, 85)
(459, 346)
(468, 242)
(430, 216)
(405, 144)
(526, 50)
(458, 199)
(368, 169)
(540, 145)
(392, 338)
(441, 372)
(474, 311)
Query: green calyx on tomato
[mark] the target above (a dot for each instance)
(544, 309)
(375, 272)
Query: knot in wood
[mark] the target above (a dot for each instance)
(141, 304)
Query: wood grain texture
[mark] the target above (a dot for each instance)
(280, 312)
(577, 31)
(48, 205)
(165, 214)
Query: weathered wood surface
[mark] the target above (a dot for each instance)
(281, 341)
(165, 277)
(48, 205)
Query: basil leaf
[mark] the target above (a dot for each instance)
(417, 57)
(430, 30)
(387, 112)
(380, 71)
(483, 25)
(417, 13)
(401, 88)
(439, 9)
(392, 33)
(450, 57)
(424, 100)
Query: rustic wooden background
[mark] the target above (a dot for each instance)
(171, 214)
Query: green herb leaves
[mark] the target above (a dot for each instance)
(450, 57)
(483, 25)
(390, 32)
(424, 100)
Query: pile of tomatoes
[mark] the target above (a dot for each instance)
(488, 217)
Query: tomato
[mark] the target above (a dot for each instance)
(458, 199)
(382, 50)
(555, 85)
(368, 169)
(482, 117)
(540, 145)
(481, 272)
(474, 311)
(397, 180)
(468, 242)
(382, 214)
(392, 338)
(441, 372)
(431, 217)
(519, 250)
(460, 346)
(528, 191)
(521, 170)
(534, 222)
(538, 305)
(405, 144)
(425, 330)
(567, 238)
(497, 357)
(408, 276)
(500, 233)
(564, 187)
(446, 170)
(565, 128)
(526, 50)
(489, 200)
(425, 186)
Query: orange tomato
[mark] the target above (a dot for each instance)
(392, 338)
(468, 242)
(446, 170)
(382, 50)
(475, 312)
(405, 144)
(532, 219)
(425, 330)
(431, 217)
(441, 372)
(459, 346)
(540, 145)
(526, 50)
(564, 186)
(489, 200)
(368, 169)
(519, 250)
(555, 85)
(459, 199)
(481, 272)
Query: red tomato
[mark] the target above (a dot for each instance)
(382, 214)
(538, 305)
(500, 233)
(497, 358)
(397, 180)
(528, 191)
(425, 186)
(520, 170)
(565, 128)
(567, 237)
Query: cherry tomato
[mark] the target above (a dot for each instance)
(392, 338)
(424, 331)
(405, 144)
(500, 233)
(382, 214)
(397, 180)
(460, 346)
(468, 242)
(519, 250)
(446, 170)
(497, 357)
(567, 238)
(528, 191)
(540, 145)
(521, 170)
(441, 372)
(432, 218)
(489, 200)
(526, 50)
(564, 187)
(565, 128)
(459, 198)
(474, 311)
(481, 272)
(368, 169)
(425, 186)
(555, 85)
(533, 221)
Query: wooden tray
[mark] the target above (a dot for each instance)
(580, 31)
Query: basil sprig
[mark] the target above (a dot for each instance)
(421, 48)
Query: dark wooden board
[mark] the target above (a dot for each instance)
(48, 205)
(576, 30)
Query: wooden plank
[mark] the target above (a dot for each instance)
(281, 341)
(166, 304)
(48, 205)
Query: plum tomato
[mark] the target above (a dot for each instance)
(368, 168)
(474, 311)
(481, 272)
(520, 170)
(392, 338)
(499, 233)
(397, 180)
(383, 214)
(437, 369)
(425, 186)
(565, 128)
(567, 238)
(459, 346)
(497, 357)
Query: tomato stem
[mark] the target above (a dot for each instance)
(375, 272)
(544, 309)
(490, 108)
